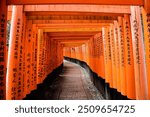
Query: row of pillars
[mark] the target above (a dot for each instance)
(121, 54)
(31, 55)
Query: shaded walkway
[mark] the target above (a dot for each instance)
(72, 84)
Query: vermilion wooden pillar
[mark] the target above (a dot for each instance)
(83, 52)
(87, 52)
(13, 79)
(28, 56)
(90, 53)
(112, 41)
(122, 55)
(146, 22)
(117, 57)
(139, 54)
(49, 55)
(46, 55)
(20, 62)
(39, 56)
(34, 57)
(94, 53)
(96, 44)
(43, 56)
(129, 62)
(107, 55)
(101, 56)
(23, 55)
(20, 57)
(77, 53)
(3, 24)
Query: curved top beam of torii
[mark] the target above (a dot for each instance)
(97, 2)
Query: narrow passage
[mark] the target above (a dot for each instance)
(72, 84)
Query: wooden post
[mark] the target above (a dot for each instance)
(101, 54)
(3, 24)
(107, 55)
(105, 52)
(23, 58)
(117, 57)
(129, 62)
(146, 23)
(87, 52)
(34, 57)
(20, 58)
(112, 40)
(39, 56)
(13, 79)
(122, 55)
(138, 54)
(28, 56)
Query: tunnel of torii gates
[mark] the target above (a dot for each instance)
(111, 36)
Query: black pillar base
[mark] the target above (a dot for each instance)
(39, 93)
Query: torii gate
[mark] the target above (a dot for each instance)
(3, 22)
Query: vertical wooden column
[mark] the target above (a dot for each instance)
(43, 56)
(129, 62)
(91, 53)
(101, 59)
(28, 56)
(34, 57)
(23, 55)
(3, 24)
(139, 55)
(49, 55)
(122, 55)
(108, 42)
(80, 52)
(13, 78)
(146, 22)
(87, 52)
(20, 58)
(77, 53)
(117, 57)
(53, 59)
(55, 54)
(39, 56)
(46, 56)
(83, 52)
(107, 55)
(69, 52)
(112, 41)
(97, 57)
(94, 54)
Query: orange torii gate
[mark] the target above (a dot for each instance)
(31, 29)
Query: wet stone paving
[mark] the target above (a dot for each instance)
(73, 84)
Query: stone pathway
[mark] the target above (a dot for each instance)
(73, 84)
